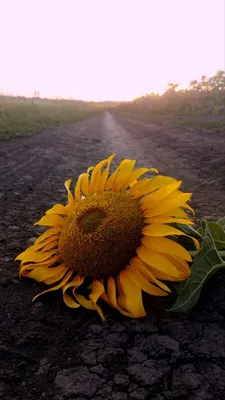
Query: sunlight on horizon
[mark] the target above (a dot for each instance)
(108, 50)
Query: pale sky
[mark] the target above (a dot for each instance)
(108, 49)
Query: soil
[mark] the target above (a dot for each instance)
(51, 352)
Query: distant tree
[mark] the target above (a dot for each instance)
(194, 85)
(203, 85)
(172, 87)
(219, 80)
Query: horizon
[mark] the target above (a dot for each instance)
(108, 51)
(37, 96)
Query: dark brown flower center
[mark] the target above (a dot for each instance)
(101, 234)
(91, 220)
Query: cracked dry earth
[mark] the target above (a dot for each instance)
(51, 352)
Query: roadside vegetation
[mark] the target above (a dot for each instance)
(201, 105)
(25, 116)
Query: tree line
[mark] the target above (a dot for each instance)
(203, 97)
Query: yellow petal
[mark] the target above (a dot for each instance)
(97, 291)
(84, 302)
(96, 176)
(35, 256)
(24, 253)
(71, 201)
(196, 242)
(168, 220)
(130, 296)
(164, 276)
(176, 212)
(31, 266)
(75, 283)
(154, 170)
(165, 245)
(50, 246)
(160, 194)
(46, 245)
(144, 270)
(137, 186)
(166, 230)
(154, 184)
(111, 299)
(57, 209)
(111, 179)
(84, 185)
(68, 300)
(105, 298)
(144, 284)
(90, 169)
(173, 201)
(125, 171)
(51, 220)
(51, 241)
(181, 265)
(42, 273)
(105, 174)
(161, 230)
(135, 175)
(78, 193)
(54, 279)
(188, 207)
(157, 260)
(133, 183)
(50, 233)
(111, 292)
(35, 264)
(61, 284)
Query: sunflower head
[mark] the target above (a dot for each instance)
(116, 232)
(106, 226)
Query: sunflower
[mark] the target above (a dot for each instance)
(113, 239)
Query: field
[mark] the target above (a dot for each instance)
(51, 352)
(23, 117)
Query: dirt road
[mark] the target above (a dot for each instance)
(51, 352)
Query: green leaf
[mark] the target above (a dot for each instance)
(221, 221)
(188, 230)
(218, 235)
(206, 263)
(179, 286)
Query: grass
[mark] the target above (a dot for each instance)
(212, 123)
(24, 117)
